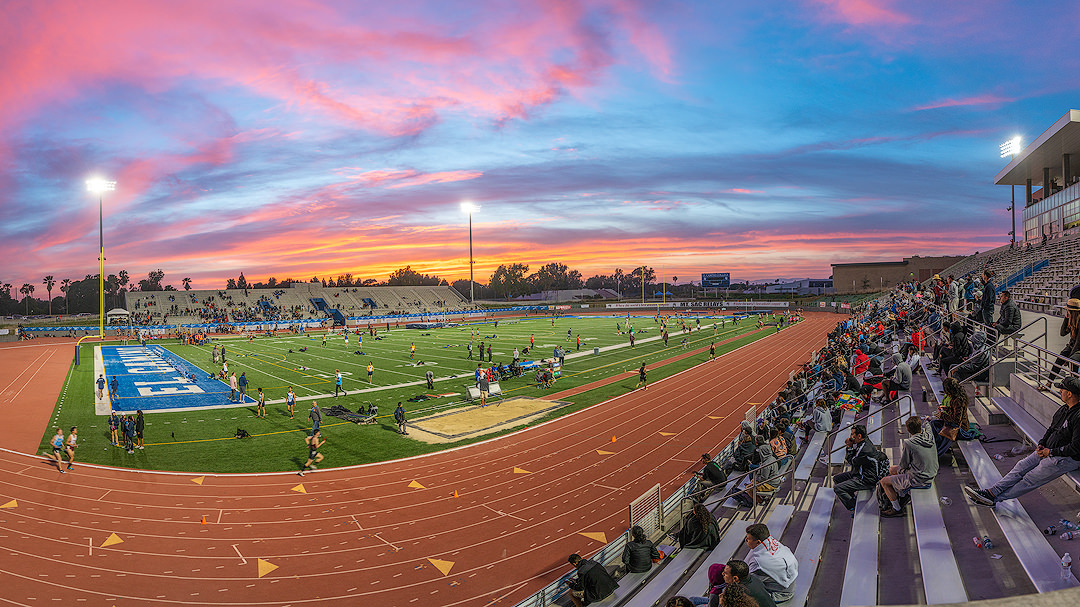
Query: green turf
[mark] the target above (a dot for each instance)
(203, 439)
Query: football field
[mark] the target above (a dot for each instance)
(196, 432)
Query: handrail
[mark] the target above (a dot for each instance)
(830, 435)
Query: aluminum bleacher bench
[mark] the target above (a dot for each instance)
(1039, 560)
(836, 457)
(730, 502)
(665, 579)
(627, 585)
(809, 457)
(812, 541)
(861, 574)
(1031, 427)
(940, 575)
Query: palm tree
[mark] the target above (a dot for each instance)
(187, 283)
(64, 286)
(26, 290)
(49, 282)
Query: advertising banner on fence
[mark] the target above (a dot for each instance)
(674, 305)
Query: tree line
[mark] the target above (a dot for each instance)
(507, 281)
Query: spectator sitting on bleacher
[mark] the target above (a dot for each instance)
(711, 475)
(978, 362)
(716, 587)
(744, 453)
(639, 554)
(958, 349)
(593, 581)
(1070, 325)
(699, 529)
(1009, 321)
(861, 454)
(771, 562)
(951, 416)
(821, 420)
(1057, 453)
(918, 467)
(740, 584)
(901, 378)
(784, 426)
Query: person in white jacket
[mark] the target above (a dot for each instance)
(772, 562)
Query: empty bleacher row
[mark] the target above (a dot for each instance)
(1056, 265)
(298, 302)
(927, 557)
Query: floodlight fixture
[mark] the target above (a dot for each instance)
(98, 185)
(468, 207)
(1011, 147)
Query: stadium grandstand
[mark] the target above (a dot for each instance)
(300, 301)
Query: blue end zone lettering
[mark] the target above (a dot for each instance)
(155, 379)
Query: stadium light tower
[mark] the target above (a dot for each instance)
(1011, 148)
(468, 207)
(99, 186)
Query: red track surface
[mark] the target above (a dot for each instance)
(362, 536)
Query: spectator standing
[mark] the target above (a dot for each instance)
(989, 294)
(399, 417)
(917, 468)
(129, 433)
(489, 352)
(260, 404)
(243, 384)
(772, 562)
(430, 379)
(593, 582)
(140, 426)
(114, 428)
(639, 554)
(370, 374)
(315, 415)
(1057, 453)
(337, 383)
(290, 401)
(100, 386)
(232, 388)
(485, 387)
(114, 388)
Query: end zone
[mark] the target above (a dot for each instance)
(154, 379)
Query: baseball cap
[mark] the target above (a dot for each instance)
(1070, 383)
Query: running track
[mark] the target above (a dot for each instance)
(362, 535)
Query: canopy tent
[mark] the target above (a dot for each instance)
(117, 313)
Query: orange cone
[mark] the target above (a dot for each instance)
(455, 493)
(204, 519)
(612, 439)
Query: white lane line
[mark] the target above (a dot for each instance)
(500, 513)
(242, 559)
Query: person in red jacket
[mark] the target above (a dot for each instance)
(862, 363)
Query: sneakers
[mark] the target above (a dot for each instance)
(890, 513)
(63, 471)
(313, 467)
(131, 451)
(301, 473)
(981, 497)
(70, 466)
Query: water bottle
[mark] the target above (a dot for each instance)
(987, 543)
(999, 456)
(1067, 524)
(1049, 530)
(978, 542)
(945, 501)
(1066, 567)
(924, 395)
(1068, 535)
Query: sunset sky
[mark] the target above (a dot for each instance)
(298, 138)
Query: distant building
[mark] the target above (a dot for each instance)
(807, 286)
(880, 275)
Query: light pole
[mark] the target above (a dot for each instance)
(468, 207)
(100, 186)
(1011, 148)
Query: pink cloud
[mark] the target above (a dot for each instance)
(985, 99)
(864, 12)
(404, 178)
(744, 191)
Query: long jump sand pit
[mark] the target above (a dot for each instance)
(470, 422)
